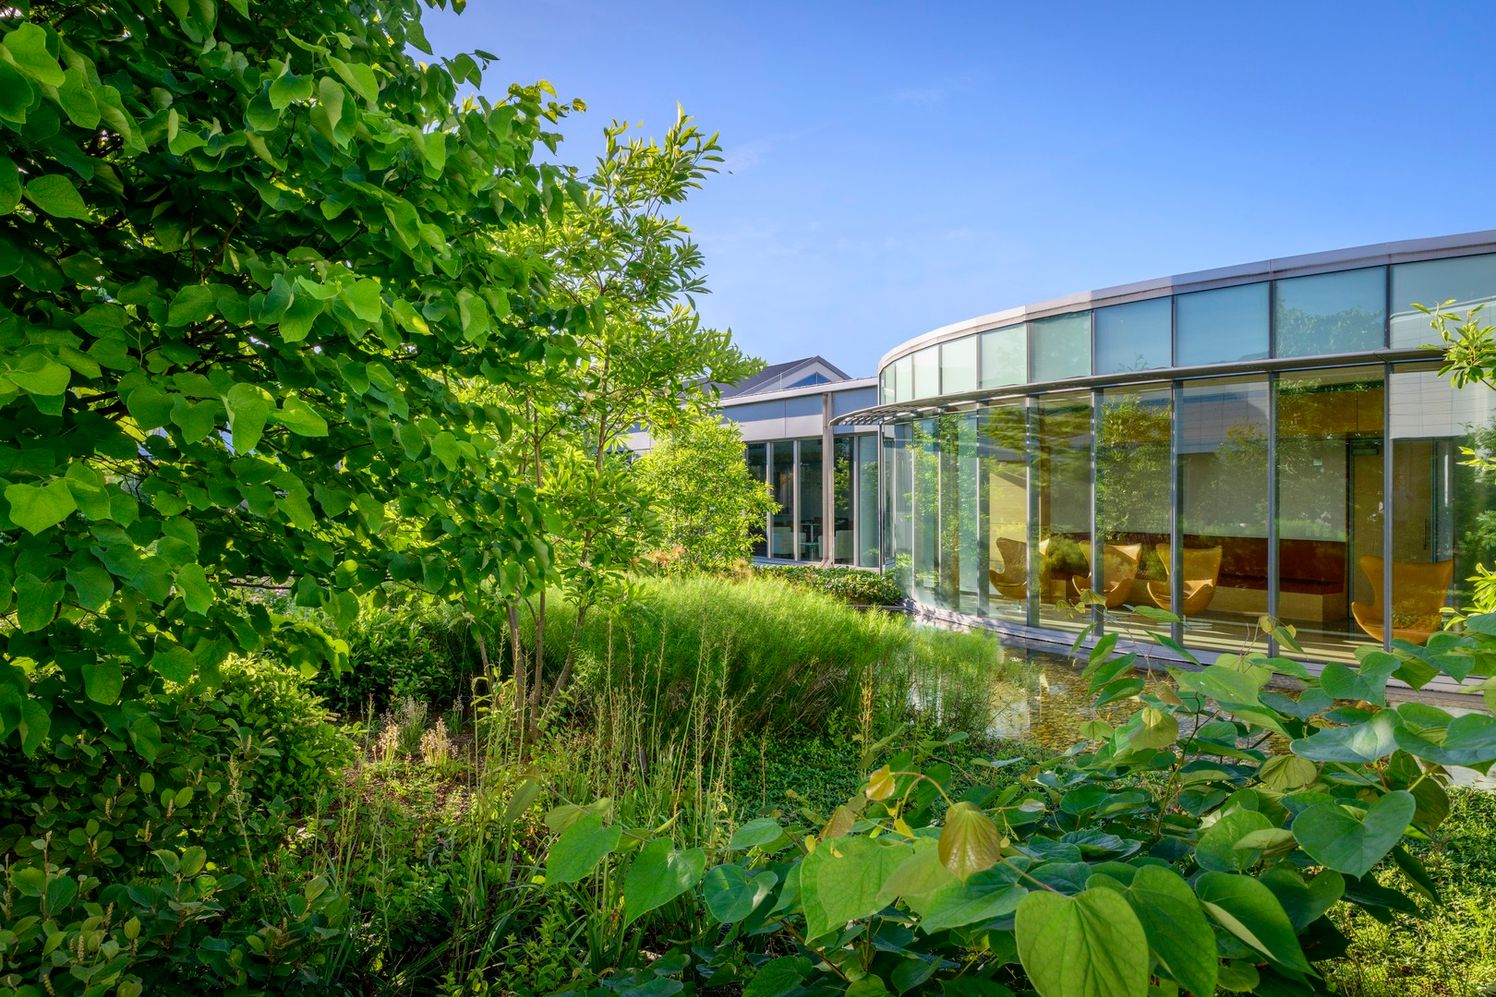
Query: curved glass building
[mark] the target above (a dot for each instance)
(1268, 439)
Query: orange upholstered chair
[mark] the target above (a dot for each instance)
(1202, 569)
(1418, 588)
(1012, 581)
(1119, 564)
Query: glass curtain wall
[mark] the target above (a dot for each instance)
(898, 498)
(867, 501)
(758, 470)
(924, 455)
(1219, 573)
(1134, 472)
(841, 532)
(1062, 508)
(959, 553)
(782, 480)
(1442, 519)
(1330, 504)
(810, 532)
(1002, 438)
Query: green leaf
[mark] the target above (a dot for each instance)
(40, 376)
(103, 681)
(1285, 773)
(1469, 740)
(359, 77)
(1216, 849)
(580, 848)
(658, 875)
(249, 407)
(193, 303)
(1304, 902)
(35, 508)
(1334, 837)
(363, 297)
(444, 448)
(758, 833)
(77, 99)
(27, 46)
(192, 583)
(289, 87)
(145, 734)
(1250, 911)
(731, 895)
(969, 841)
(985, 895)
(149, 406)
(778, 977)
(36, 602)
(1368, 681)
(197, 420)
(36, 722)
(1178, 933)
(173, 662)
(56, 195)
(1088, 945)
(300, 418)
(1363, 742)
(91, 582)
(10, 185)
(296, 323)
(842, 881)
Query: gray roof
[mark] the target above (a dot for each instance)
(772, 377)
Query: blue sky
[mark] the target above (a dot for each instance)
(895, 167)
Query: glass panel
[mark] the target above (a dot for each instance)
(925, 487)
(1329, 503)
(1064, 508)
(927, 372)
(1134, 336)
(1330, 313)
(810, 534)
(782, 523)
(1223, 511)
(867, 500)
(903, 379)
(958, 366)
(1005, 356)
(898, 531)
(1468, 280)
(885, 385)
(956, 552)
(1229, 323)
(1442, 519)
(1005, 484)
(841, 533)
(1061, 346)
(757, 454)
(1133, 474)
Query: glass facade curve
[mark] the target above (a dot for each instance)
(1269, 440)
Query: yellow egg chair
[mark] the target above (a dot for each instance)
(1012, 581)
(1418, 587)
(1202, 569)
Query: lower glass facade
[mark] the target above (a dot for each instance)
(1331, 498)
(805, 526)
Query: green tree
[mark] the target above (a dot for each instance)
(252, 263)
(707, 502)
(643, 360)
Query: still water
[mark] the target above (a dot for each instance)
(1041, 697)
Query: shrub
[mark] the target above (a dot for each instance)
(852, 585)
(168, 845)
(413, 649)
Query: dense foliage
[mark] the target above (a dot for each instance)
(1171, 851)
(857, 587)
(708, 504)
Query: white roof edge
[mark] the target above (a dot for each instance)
(826, 388)
(1376, 254)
